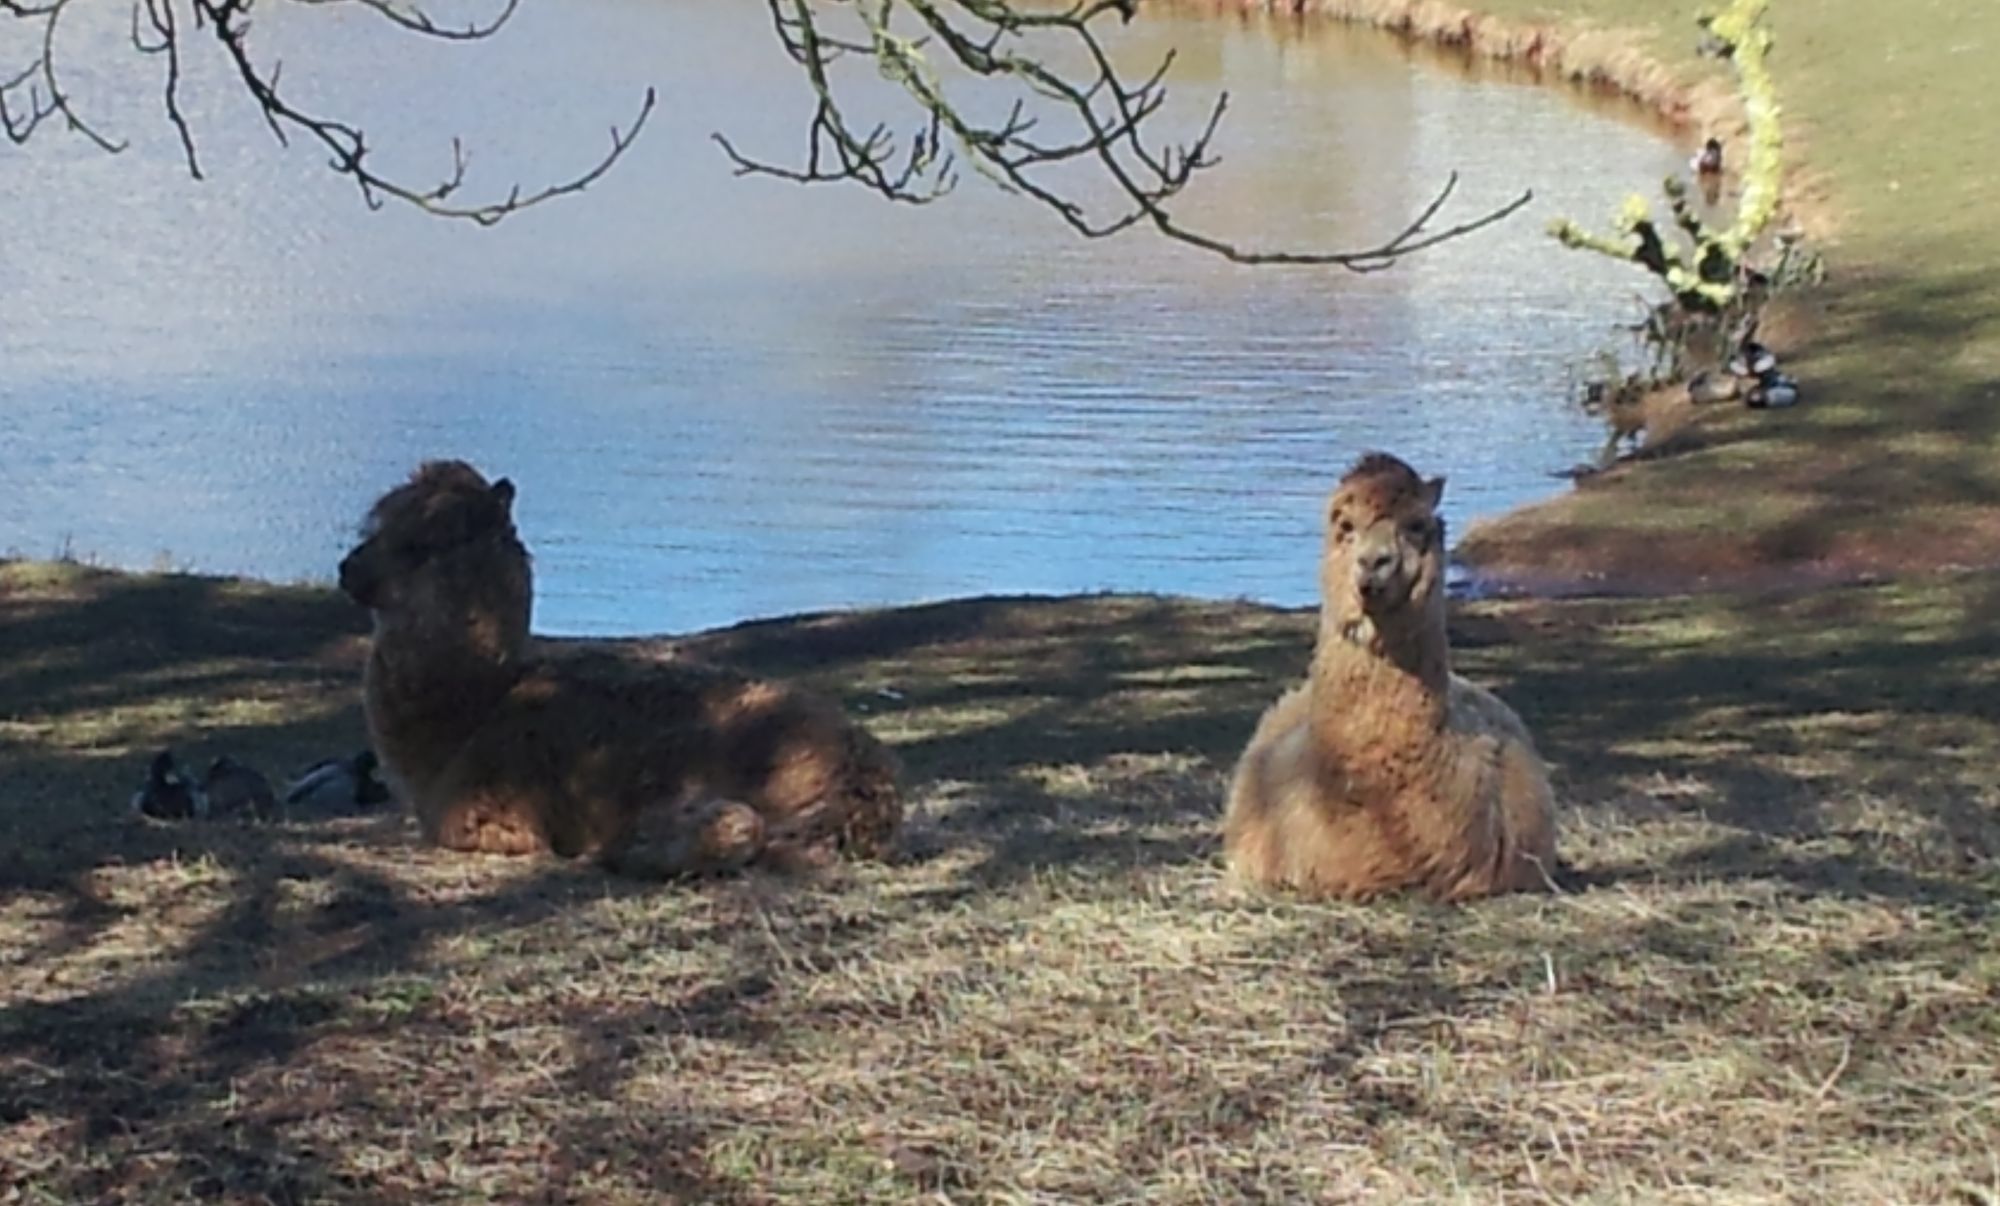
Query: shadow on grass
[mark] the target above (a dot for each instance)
(101, 668)
(163, 1071)
(1788, 708)
(1077, 736)
(188, 1078)
(1791, 714)
(1083, 734)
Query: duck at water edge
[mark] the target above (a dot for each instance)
(1753, 359)
(1773, 391)
(1708, 160)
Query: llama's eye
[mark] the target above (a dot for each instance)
(1418, 530)
(1343, 527)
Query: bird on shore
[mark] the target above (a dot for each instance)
(234, 790)
(1773, 391)
(1712, 45)
(168, 794)
(1753, 359)
(1708, 161)
(338, 784)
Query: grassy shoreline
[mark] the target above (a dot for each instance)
(1780, 982)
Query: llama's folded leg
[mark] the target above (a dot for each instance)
(704, 837)
(484, 802)
(1286, 831)
(1274, 763)
(817, 778)
(870, 799)
(1248, 826)
(487, 823)
(1527, 816)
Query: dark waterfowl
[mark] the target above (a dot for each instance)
(234, 790)
(1753, 359)
(168, 794)
(1708, 161)
(1773, 391)
(338, 785)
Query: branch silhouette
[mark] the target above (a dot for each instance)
(918, 44)
(1052, 66)
(36, 95)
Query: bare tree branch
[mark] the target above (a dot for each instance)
(19, 123)
(161, 14)
(1113, 114)
(35, 94)
(46, 96)
(417, 21)
(349, 146)
(1053, 61)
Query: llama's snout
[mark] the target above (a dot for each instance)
(1376, 570)
(355, 582)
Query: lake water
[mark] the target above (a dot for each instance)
(724, 398)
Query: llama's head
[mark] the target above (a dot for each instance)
(1384, 541)
(442, 547)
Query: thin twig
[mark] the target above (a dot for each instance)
(1114, 111)
(34, 94)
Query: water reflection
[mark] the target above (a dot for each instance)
(725, 398)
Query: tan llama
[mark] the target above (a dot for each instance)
(1385, 771)
(655, 768)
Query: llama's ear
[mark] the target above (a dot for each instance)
(503, 492)
(1434, 492)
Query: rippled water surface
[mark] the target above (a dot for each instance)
(725, 398)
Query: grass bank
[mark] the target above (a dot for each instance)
(1890, 464)
(1780, 982)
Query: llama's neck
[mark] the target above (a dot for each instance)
(424, 653)
(433, 678)
(1380, 690)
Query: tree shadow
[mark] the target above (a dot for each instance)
(220, 1100)
(1790, 714)
(1097, 734)
(1089, 736)
(1086, 734)
(154, 1070)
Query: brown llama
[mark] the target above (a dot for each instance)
(652, 768)
(1385, 771)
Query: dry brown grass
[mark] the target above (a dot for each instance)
(1780, 983)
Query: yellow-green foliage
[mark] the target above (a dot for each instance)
(1705, 279)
